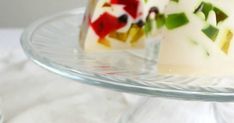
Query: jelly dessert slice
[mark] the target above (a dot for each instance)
(198, 38)
(119, 24)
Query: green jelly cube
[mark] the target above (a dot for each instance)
(211, 32)
(220, 15)
(176, 20)
(148, 27)
(205, 8)
(160, 20)
(175, 1)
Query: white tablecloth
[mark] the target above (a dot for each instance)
(31, 94)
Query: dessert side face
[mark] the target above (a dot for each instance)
(200, 41)
(119, 24)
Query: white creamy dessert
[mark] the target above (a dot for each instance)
(198, 38)
(197, 34)
(119, 24)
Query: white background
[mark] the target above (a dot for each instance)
(19, 13)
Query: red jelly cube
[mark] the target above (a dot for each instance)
(107, 23)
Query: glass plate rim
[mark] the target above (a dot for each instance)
(187, 92)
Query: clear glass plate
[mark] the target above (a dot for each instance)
(53, 44)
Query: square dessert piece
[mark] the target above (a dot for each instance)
(119, 24)
(198, 38)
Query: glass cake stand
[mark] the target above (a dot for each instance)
(53, 44)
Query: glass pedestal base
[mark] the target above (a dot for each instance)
(157, 110)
